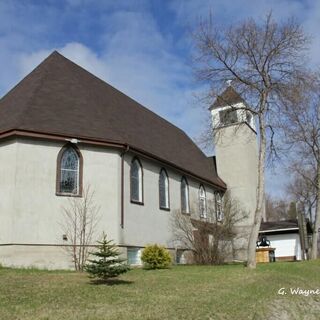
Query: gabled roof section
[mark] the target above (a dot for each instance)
(228, 97)
(60, 98)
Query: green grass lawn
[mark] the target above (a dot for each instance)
(183, 292)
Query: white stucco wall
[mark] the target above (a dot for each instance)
(286, 245)
(147, 223)
(36, 204)
(31, 212)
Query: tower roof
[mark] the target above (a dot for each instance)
(228, 97)
(60, 98)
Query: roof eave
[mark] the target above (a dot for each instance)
(115, 144)
(279, 230)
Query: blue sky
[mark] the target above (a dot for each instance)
(141, 47)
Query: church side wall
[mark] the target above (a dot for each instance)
(32, 233)
(147, 223)
(36, 210)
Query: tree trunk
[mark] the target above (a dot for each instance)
(315, 235)
(251, 263)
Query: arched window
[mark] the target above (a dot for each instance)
(202, 202)
(164, 190)
(185, 208)
(69, 171)
(136, 181)
(219, 211)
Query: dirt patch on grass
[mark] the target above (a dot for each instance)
(301, 308)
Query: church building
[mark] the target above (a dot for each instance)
(63, 130)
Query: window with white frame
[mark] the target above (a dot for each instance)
(202, 202)
(219, 211)
(69, 169)
(164, 190)
(185, 208)
(136, 182)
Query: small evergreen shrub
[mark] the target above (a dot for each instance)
(107, 263)
(156, 257)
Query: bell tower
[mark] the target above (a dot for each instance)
(236, 149)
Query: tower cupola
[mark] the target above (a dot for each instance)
(230, 109)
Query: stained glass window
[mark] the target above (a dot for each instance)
(69, 172)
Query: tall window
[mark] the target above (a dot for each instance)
(69, 174)
(219, 211)
(164, 190)
(136, 181)
(184, 196)
(202, 202)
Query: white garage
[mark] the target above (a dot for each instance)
(287, 239)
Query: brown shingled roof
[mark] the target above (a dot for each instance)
(228, 97)
(61, 98)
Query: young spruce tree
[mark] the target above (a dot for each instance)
(107, 263)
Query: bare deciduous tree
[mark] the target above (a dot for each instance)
(278, 209)
(208, 239)
(261, 60)
(304, 192)
(79, 225)
(301, 127)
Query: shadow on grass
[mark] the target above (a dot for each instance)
(154, 269)
(110, 282)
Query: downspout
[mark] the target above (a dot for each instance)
(122, 185)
